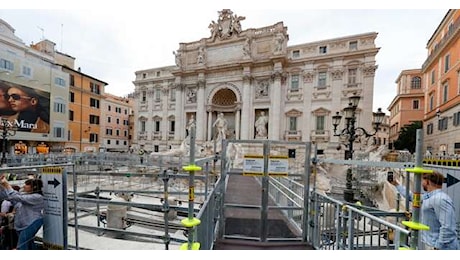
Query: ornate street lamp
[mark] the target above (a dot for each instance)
(7, 130)
(351, 133)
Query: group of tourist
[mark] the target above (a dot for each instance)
(22, 213)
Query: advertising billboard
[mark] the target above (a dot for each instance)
(24, 109)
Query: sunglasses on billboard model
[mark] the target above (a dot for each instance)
(15, 96)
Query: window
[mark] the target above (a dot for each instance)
(6, 65)
(442, 124)
(144, 96)
(144, 75)
(125, 133)
(142, 126)
(431, 102)
(322, 49)
(109, 119)
(72, 97)
(59, 107)
(117, 142)
(156, 148)
(108, 131)
(26, 71)
(158, 73)
(295, 83)
(456, 119)
(429, 129)
(446, 63)
(117, 132)
(72, 80)
(118, 121)
(94, 102)
(108, 141)
(458, 82)
(296, 54)
(416, 83)
(445, 93)
(292, 123)
(352, 76)
(58, 132)
(157, 126)
(70, 115)
(93, 138)
(172, 126)
(319, 123)
(353, 46)
(172, 94)
(433, 75)
(322, 79)
(59, 81)
(93, 119)
(109, 108)
(95, 88)
(415, 104)
(157, 95)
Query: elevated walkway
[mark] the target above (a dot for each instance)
(244, 223)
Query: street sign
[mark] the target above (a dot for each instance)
(55, 195)
(278, 166)
(253, 165)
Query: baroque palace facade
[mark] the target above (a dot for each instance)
(242, 73)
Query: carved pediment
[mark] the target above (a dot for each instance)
(293, 113)
(321, 111)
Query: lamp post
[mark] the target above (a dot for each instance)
(7, 130)
(351, 133)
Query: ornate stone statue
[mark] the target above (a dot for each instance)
(221, 126)
(247, 48)
(261, 125)
(190, 124)
(227, 25)
(191, 96)
(201, 55)
(177, 58)
(279, 42)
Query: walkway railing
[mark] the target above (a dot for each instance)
(335, 225)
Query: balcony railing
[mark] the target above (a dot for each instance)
(295, 135)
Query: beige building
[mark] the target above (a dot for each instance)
(242, 73)
(43, 84)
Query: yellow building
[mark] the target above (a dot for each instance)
(85, 105)
(441, 72)
(408, 105)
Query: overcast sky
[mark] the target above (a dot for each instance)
(111, 44)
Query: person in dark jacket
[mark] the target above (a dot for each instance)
(29, 206)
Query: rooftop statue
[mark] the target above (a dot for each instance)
(228, 24)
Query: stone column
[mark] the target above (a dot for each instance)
(200, 113)
(179, 112)
(275, 113)
(246, 104)
(237, 123)
(209, 125)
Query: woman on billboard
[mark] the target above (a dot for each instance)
(31, 114)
